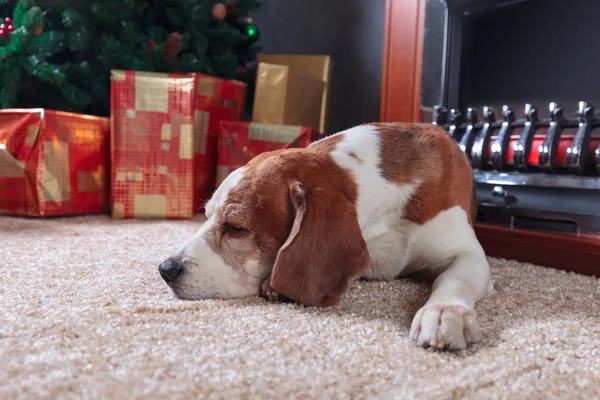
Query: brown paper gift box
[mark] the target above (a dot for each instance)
(53, 163)
(317, 65)
(287, 95)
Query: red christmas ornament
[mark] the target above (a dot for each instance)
(7, 27)
(39, 30)
(3, 33)
(151, 45)
(232, 12)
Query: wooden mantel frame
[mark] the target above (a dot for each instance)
(400, 101)
(402, 55)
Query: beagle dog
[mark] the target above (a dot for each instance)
(378, 201)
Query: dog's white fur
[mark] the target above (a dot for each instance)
(208, 276)
(397, 247)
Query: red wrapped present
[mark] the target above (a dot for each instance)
(53, 163)
(152, 147)
(239, 142)
(216, 100)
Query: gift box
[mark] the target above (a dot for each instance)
(239, 142)
(318, 66)
(152, 146)
(216, 100)
(287, 95)
(164, 140)
(53, 163)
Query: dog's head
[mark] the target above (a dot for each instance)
(288, 216)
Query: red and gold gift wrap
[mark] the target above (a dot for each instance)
(239, 142)
(53, 163)
(164, 140)
(152, 147)
(216, 100)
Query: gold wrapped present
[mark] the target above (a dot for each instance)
(318, 66)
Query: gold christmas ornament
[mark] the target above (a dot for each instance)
(219, 11)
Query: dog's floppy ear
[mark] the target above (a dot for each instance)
(325, 248)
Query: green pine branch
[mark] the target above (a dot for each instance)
(19, 13)
(82, 42)
(9, 81)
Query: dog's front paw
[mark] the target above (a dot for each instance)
(267, 292)
(445, 326)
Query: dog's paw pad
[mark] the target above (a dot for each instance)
(267, 292)
(445, 326)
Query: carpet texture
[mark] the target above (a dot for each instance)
(84, 314)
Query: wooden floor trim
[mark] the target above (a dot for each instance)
(565, 252)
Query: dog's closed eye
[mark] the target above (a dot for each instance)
(232, 228)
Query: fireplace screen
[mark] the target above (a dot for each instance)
(516, 84)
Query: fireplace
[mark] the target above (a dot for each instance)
(516, 84)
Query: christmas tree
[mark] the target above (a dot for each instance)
(60, 57)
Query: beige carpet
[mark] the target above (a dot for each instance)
(84, 314)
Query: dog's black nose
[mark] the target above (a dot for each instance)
(170, 270)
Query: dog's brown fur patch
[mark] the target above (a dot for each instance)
(427, 155)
